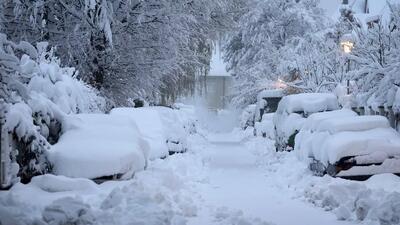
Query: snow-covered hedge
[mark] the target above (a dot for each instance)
(38, 92)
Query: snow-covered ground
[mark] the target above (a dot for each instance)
(224, 179)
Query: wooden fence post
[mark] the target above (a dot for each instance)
(391, 117)
(3, 146)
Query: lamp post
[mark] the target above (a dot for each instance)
(347, 46)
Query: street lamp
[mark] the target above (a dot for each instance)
(347, 45)
(280, 84)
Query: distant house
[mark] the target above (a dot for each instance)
(218, 82)
(368, 12)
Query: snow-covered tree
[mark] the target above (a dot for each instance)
(36, 95)
(267, 37)
(127, 48)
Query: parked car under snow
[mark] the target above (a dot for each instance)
(160, 126)
(292, 112)
(341, 144)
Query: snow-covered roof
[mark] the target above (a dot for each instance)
(218, 66)
(364, 10)
(273, 93)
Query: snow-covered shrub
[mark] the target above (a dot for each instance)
(247, 116)
(37, 94)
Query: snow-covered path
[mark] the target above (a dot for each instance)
(237, 183)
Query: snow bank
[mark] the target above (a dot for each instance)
(375, 201)
(68, 210)
(160, 127)
(52, 183)
(357, 201)
(96, 145)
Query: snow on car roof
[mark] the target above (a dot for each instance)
(314, 120)
(308, 102)
(350, 143)
(359, 123)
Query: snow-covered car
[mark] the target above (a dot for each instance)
(292, 112)
(341, 144)
(267, 102)
(98, 146)
(160, 126)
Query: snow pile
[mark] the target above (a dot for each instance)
(38, 93)
(265, 128)
(68, 210)
(186, 114)
(97, 145)
(160, 126)
(292, 111)
(225, 216)
(52, 183)
(374, 201)
(161, 195)
(358, 201)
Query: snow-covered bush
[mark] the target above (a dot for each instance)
(37, 94)
(292, 112)
(247, 116)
